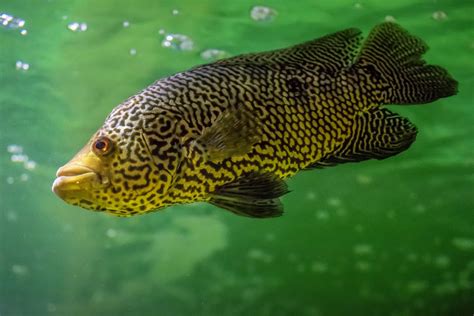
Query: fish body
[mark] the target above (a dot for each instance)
(230, 132)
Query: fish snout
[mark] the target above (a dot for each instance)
(77, 181)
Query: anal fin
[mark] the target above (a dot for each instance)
(376, 134)
(254, 195)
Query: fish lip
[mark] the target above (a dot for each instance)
(75, 181)
(73, 170)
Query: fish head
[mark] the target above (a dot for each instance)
(121, 170)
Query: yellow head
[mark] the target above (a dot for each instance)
(126, 168)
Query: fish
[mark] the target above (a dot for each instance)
(231, 132)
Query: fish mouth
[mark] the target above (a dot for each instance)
(74, 181)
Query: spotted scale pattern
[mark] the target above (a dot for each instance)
(315, 104)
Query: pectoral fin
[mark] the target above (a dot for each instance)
(233, 134)
(254, 195)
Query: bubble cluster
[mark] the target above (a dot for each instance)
(77, 26)
(13, 23)
(263, 14)
(10, 22)
(178, 42)
(17, 156)
(214, 54)
(21, 65)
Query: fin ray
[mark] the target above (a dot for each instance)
(253, 195)
(392, 58)
(376, 134)
(233, 134)
(329, 53)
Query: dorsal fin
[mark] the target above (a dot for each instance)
(392, 58)
(332, 52)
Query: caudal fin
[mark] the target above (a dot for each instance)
(391, 58)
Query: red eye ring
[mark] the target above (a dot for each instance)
(102, 146)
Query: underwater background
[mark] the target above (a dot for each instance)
(392, 237)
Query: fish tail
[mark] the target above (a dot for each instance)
(391, 60)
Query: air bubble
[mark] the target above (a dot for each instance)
(390, 18)
(259, 255)
(263, 14)
(322, 215)
(111, 233)
(300, 268)
(14, 149)
(175, 12)
(362, 266)
(178, 42)
(21, 65)
(51, 308)
(335, 202)
(30, 165)
(214, 54)
(19, 269)
(362, 249)
(417, 286)
(77, 26)
(420, 208)
(24, 32)
(364, 179)
(133, 51)
(126, 24)
(439, 15)
(11, 216)
(161, 31)
(19, 158)
(442, 261)
(319, 267)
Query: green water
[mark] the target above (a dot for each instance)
(393, 237)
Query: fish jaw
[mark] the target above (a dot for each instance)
(77, 180)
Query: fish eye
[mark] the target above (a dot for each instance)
(102, 146)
